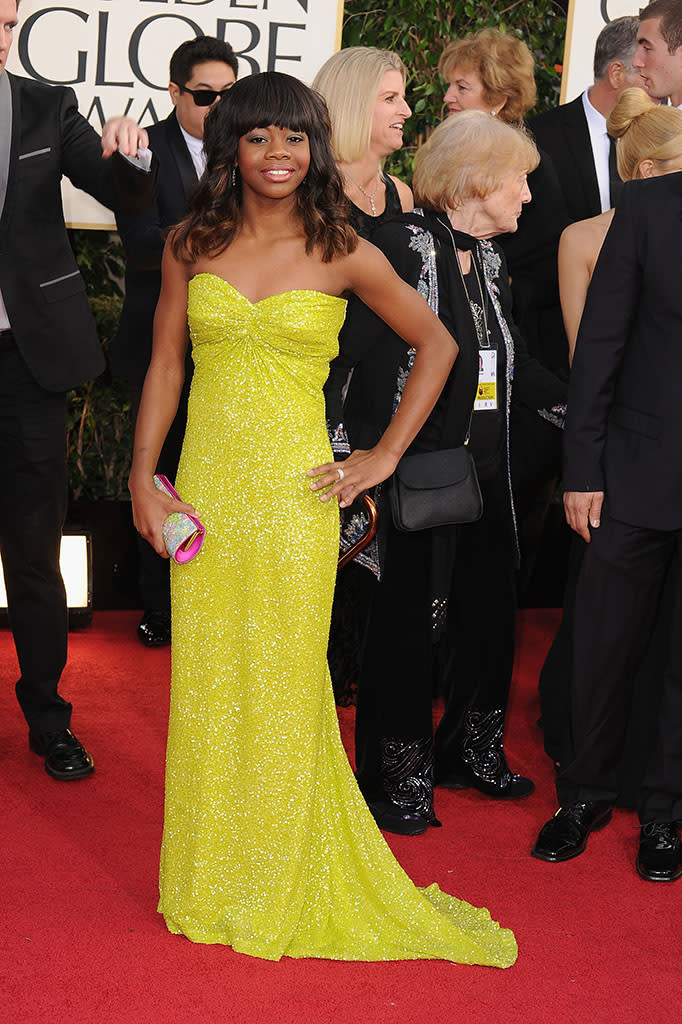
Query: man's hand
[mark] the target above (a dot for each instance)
(123, 134)
(583, 509)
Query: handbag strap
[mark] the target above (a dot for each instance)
(482, 336)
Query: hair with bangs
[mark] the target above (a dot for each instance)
(505, 66)
(349, 83)
(670, 26)
(469, 156)
(645, 131)
(214, 212)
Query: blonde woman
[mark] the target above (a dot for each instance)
(650, 144)
(364, 89)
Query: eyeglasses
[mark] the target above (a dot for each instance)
(204, 97)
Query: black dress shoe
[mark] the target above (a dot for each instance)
(565, 835)
(155, 628)
(391, 817)
(660, 852)
(505, 785)
(65, 756)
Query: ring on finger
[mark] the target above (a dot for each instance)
(341, 474)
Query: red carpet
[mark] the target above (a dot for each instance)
(81, 941)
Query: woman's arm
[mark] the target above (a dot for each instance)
(373, 280)
(159, 404)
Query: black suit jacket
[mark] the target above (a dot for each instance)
(624, 420)
(42, 288)
(143, 236)
(564, 134)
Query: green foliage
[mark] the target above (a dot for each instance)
(420, 29)
(99, 433)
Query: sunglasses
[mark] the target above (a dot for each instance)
(204, 97)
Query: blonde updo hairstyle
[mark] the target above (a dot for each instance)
(349, 83)
(469, 156)
(505, 66)
(645, 131)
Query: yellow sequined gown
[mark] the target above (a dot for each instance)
(268, 845)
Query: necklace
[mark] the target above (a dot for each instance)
(370, 196)
(479, 314)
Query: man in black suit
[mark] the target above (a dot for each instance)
(623, 495)
(583, 155)
(201, 71)
(574, 134)
(48, 344)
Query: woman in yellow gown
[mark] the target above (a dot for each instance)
(268, 846)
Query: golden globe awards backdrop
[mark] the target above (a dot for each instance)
(586, 19)
(115, 54)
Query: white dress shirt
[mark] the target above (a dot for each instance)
(196, 151)
(601, 144)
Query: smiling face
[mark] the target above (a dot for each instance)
(661, 70)
(210, 74)
(272, 161)
(8, 21)
(465, 92)
(390, 113)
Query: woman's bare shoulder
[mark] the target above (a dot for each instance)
(404, 194)
(584, 235)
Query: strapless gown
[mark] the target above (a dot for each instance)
(268, 846)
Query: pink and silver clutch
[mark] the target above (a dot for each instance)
(183, 534)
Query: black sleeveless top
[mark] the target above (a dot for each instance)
(364, 223)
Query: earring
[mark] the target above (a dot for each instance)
(234, 176)
(493, 113)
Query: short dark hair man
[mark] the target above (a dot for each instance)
(659, 50)
(48, 344)
(201, 71)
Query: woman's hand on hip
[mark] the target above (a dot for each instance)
(360, 471)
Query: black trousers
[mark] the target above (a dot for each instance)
(396, 683)
(555, 677)
(477, 653)
(618, 599)
(33, 497)
(395, 679)
(154, 571)
(556, 681)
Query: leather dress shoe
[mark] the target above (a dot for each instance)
(155, 628)
(391, 817)
(565, 835)
(506, 785)
(65, 756)
(660, 852)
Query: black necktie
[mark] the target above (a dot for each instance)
(615, 183)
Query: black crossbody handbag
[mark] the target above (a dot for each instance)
(439, 488)
(435, 489)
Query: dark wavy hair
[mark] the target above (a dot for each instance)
(215, 210)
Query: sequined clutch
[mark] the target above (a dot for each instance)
(183, 534)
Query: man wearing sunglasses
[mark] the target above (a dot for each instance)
(202, 71)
